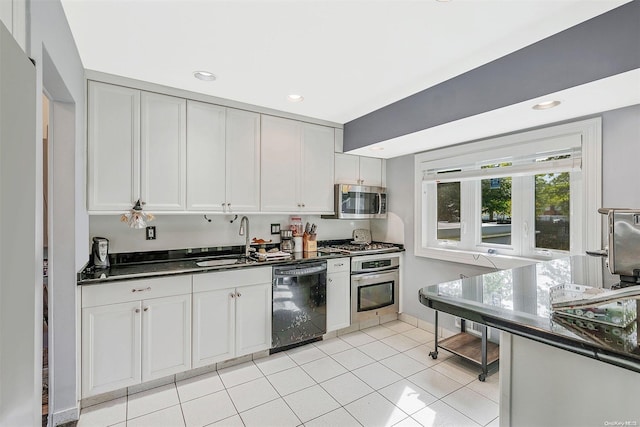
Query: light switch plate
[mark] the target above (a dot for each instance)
(151, 232)
(275, 228)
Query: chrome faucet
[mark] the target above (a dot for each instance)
(244, 231)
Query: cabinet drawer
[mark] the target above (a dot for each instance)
(338, 265)
(134, 290)
(231, 279)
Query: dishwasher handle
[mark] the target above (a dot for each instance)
(299, 270)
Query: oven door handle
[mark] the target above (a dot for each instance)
(369, 271)
(369, 277)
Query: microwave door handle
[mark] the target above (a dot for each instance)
(379, 202)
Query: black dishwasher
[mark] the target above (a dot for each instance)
(299, 304)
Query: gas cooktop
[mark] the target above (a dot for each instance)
(364, 248)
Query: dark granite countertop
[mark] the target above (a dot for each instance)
(138, 265)
(128, 271)
(517, 301)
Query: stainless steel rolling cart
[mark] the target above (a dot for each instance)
(470, 347)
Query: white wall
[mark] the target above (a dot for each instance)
(193, 231)
(621, 151)
(60, 72)
(417, 271)
(20, 266)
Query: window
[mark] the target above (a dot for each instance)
(532, 195)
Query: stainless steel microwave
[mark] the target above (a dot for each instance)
(360, 202)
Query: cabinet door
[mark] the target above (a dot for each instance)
(213, 326)
(205, 157)
(280, 165)
(243, 161)
(253, 318)
(163, 152)
(317, 168)
(347, 169)
(371, 171)
(113, 121)
(110, 347)
(338, 300)
(166, 336)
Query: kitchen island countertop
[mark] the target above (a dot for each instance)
(517, 301)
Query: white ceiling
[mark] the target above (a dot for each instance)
(347, 58)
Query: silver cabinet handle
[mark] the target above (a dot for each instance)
(232, 295)
(146, 309)
(303, 205)
(330, 280)
(229, 207)
(141, 289)
(238, 294)
(339, 265)
(137, 310)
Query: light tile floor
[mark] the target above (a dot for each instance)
(381, 376)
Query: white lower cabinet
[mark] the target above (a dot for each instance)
(140, 330)
(127, 340)
(231, 314)
(111, 345)
(166, 336)
(338, 294)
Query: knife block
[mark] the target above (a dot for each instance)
(309, 243)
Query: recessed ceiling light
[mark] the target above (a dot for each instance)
(377, 148)
(204, 75)
(294, 97)
(546, 105)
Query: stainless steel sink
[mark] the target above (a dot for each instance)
(217, 262)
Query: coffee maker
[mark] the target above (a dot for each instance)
(100, 252)
(286, 241)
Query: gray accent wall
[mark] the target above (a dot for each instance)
(621, 151)
(598, 48)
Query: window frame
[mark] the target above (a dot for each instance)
(586, 197)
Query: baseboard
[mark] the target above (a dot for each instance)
(62, 417)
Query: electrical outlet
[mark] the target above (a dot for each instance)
(472, 328)
(151, 232)
(275, 228)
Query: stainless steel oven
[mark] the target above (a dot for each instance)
(374, 286)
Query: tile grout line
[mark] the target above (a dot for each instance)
(184, 419)
(331, 357)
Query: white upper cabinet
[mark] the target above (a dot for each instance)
(359, 170)
(223, 159)
(316, 174)
(113, 147)
(243, 161)
(206, 164)
(280, 163)
(163, 152)
(297, 166)
(179, 155)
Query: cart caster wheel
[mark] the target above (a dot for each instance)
(433, 354)
(482, 377)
